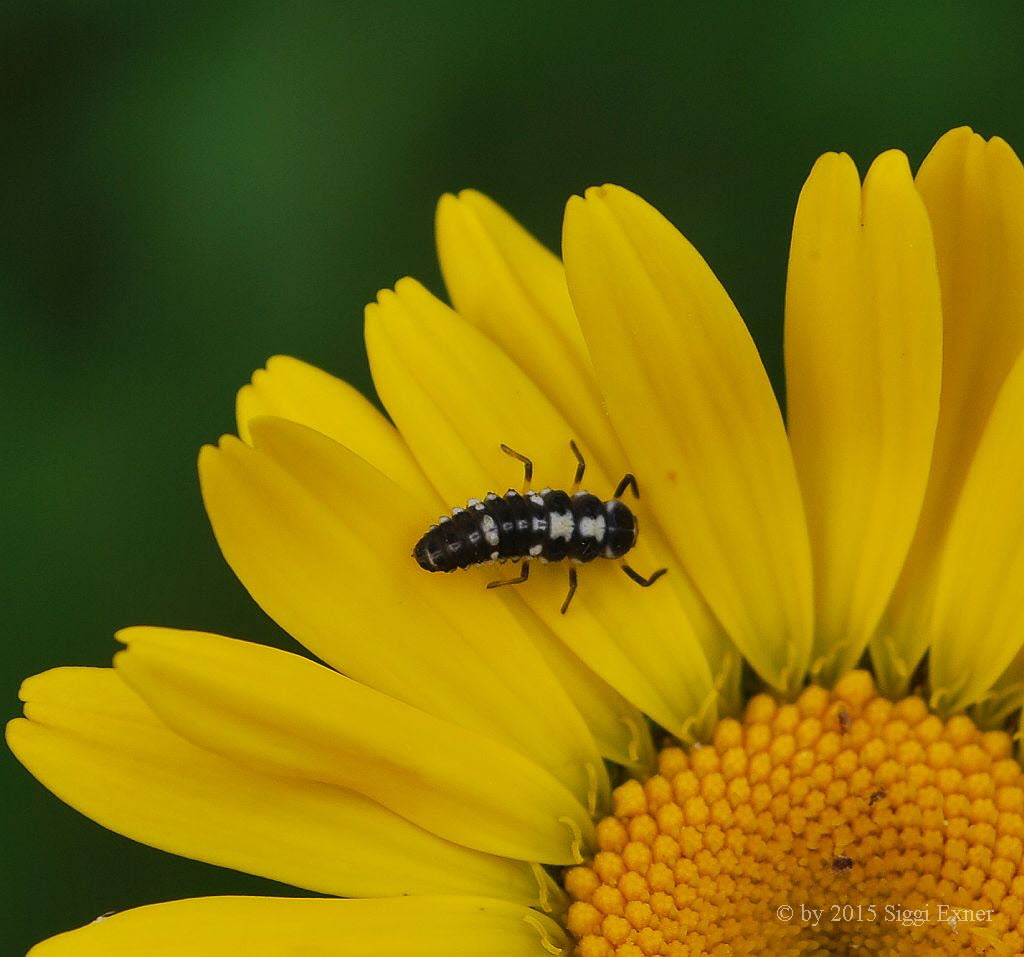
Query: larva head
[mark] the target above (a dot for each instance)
(620, 529)
(430, 552)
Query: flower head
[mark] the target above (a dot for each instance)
(450, 766)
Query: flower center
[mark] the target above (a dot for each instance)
(840, 822)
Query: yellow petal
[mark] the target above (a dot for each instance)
(456, 397)
(279, 927)
(291, 389)
(507, 284)
(94, 743)
(619, 728)
(323, 542)
(995, 708)
(863, 369)
(977, 622)
(694, 409)
(974, 193)
(288, 716)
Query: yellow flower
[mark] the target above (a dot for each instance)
(459, 748)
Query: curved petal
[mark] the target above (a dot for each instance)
(456, 397)
(92, 741)
(620, 728)
(290, 927)
(291, 389)
(863, 370)
(977, 620)
(995, 709)
(288, 716)
(507, 284)
(974, 193)
(322, 541)
(695, 411)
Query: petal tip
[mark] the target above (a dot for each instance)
(893, 158)
(409, 286)
(390, 296)
(610, 192)
(834, 163)
(209, 453)
(448, 205)
(29, 690)
(280, 361)
(960, 134)
(12, 730)
(126, 636)
(574, 203)
(890, 168)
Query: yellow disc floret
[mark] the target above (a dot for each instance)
(840, 823)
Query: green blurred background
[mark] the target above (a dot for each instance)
(189, 189)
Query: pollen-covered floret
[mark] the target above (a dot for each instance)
(883, 828)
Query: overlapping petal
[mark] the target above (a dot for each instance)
(322, 540)
(501, 279)
(693, 407)
(863, 370)
(456, 397)
(285, 715)
(976, 622)
(995, 708)
(291, 389)
(974, 193)
(92, 741)
(277, 927)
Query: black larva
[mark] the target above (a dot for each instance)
(548, 526)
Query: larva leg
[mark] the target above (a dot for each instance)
(628, 481)
(581, 466)
(639, 579)
(572, 590)
(527, 465)
(524, 573)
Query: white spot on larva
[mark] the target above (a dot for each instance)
(540, 524)
(535, 550)
(490, 496)
(445, 518)
(473, 503)
(494, 556)
(474, 537)
(490, 529)
(457, 510)
(545, 491)
(561, 525)
(593, 528)
(536, 499)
